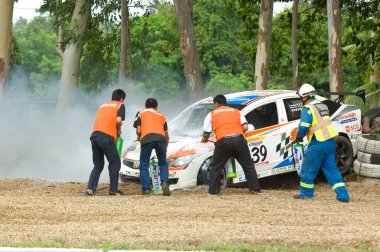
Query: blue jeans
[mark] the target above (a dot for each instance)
(104, 146)
(322, 155)
(146, 152)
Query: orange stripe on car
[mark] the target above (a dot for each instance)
(263, 130)
(182, 153)
(176, 168)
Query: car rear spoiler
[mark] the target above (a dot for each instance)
(360, 94)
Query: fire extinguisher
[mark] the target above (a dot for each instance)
(119, 145)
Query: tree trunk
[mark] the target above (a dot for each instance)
(263, 44)
(374, 65)
(123, 43)
(335, 46)
(294, 44)
(72, 55)
(6, 13)
(189, 53)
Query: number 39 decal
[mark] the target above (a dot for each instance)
(259, 154)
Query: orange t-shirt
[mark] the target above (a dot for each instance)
(106, 118)
(226, 121)
(152, 121)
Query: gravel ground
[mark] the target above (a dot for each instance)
(43, 211)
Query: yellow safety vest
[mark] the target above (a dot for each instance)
(321, 126)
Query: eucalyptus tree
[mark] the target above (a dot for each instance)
(6, 13)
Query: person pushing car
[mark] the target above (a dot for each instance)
(315, 123)
(107, 127)
(152, 132)
(229, 126)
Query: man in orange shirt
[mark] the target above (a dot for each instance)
(152, 132)
(229, 126)
(107, 127)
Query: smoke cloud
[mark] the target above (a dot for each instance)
(36, 142)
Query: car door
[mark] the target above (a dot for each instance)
(265, 119)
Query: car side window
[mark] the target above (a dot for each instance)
(263, 116)
(293, 108)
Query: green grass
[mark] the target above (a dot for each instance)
(63, 243)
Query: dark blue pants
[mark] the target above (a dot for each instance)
(146, 152)
(104, 146)
(322, 155)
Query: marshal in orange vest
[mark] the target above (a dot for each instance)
(226, 122)
(152, 121)
(106, 119)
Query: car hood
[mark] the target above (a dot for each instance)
(177, 147)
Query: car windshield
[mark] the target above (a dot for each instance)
(190, 122)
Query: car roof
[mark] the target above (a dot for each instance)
(242, 98)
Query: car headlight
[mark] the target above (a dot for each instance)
(181, 161)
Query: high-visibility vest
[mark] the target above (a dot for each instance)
(152, 121)
(106, 118)
(226, 121)
(321, 126)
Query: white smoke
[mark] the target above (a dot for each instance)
(36, 142)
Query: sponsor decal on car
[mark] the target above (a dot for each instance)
(255, 143)
(343, 119)
(282, 169)
(255, 139)
(350, 128)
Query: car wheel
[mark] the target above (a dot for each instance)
(204, 174)
(344, 154)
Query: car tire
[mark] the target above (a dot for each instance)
(368, 158)
(203, 177)
(367, 170)
(368, 120)
(368, 144)
(344, 154)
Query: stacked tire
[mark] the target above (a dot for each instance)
(367, 163)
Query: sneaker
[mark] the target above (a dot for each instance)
(90, 192)
(256, 192)
(212, 194)
(146, 192)
(165, 189)
(118, 193)
(298, 196)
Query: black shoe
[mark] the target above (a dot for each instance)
(118, 193)
(90, 192)
(165, 189)
(146, 192)
(298, 196)
(256, 192)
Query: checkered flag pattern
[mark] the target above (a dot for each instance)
(284, 146)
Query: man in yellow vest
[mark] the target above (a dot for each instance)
(152, 132)
(107, 127)
(315, 123)
(229, 126)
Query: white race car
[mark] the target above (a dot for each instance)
(273, 118)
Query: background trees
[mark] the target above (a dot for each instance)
(226, 36)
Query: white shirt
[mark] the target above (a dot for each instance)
(207, 125)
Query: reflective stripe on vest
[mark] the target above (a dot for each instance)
(310, 186)
(226, 121)
(338, 185)
(152, 121)
(321, 127)
(106, 118)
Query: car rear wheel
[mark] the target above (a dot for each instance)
(344, 154)
(204, 174)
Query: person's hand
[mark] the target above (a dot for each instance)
(299, 140)
(119, 132)
(204, 140)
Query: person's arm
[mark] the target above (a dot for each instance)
(243, 122)
(166, 133)
(304, 125)
(138, 132)
(120, 118)
(119, 122)
(207, 128)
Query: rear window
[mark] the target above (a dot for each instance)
(333, 106)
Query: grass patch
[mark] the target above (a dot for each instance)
(63, 243)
